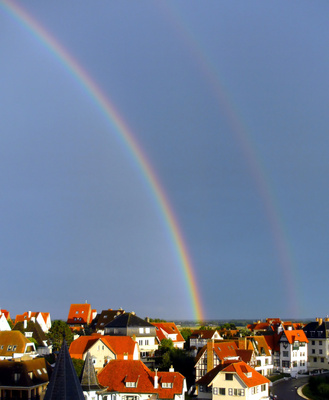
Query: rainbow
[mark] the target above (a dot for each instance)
(253, 161)
(127, 138)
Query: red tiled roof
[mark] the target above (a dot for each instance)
(117, 372)
(241, 368)
(119, 345)
(5, 313)
(170, 328)
(203, 334)
(225, 350)
(79, 314)
(81, 345)
(296, 335)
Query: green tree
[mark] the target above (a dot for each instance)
(78, 365)
(186, 333)
(59, 329)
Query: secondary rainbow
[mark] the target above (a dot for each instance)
(248, 149)
(125, 135)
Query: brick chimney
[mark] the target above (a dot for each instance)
(210, 354)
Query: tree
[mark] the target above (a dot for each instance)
(59, 329)
(166, 345)
(78, 365)
(186, 333)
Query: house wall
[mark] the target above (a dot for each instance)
(236, 388)
(318, 354)
(4, 325)
(293, 360)
(100, 354)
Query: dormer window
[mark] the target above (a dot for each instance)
(248, 374)
(131, 384)
(167, 385)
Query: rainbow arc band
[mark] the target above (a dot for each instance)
(126, 137)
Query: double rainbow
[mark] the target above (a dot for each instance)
(126, 136)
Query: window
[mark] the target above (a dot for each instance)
(320, 342)
(263, 388)
(313, 351)
(322, 359)
(131, 384)
(9, 348)
(14, 348)
(222, 391)
(141, 330)
(313, 342)
(39, 372)
(238, 392)
(167, 385)
(285, 354)
(147, 330)
(215, 390)
(146, 342)
(229, 377)
(320, 351)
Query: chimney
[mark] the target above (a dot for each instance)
(25, 323)
(29, 314)
(320, 321)
(210, 354)
(156, 378)
(171, 369)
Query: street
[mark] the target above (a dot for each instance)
(287, 389)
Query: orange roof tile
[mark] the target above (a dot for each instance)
(119, 345)
(81, 345)
(241, 368)
(117, 373)
(79, 314)
(170, 328)
(295, 335)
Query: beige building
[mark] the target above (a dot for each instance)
(236, 379)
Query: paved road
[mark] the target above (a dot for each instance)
(287, 389)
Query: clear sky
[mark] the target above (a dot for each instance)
(229, 102)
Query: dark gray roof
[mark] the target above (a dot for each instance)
(64, 382)
(128, 320)
(317, 331)
(89, 381)
(104, 318)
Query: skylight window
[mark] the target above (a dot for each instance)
(131, 384)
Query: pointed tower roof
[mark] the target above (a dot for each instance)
(89, 380)
(64, 382)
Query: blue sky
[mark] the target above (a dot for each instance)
(228, 100)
